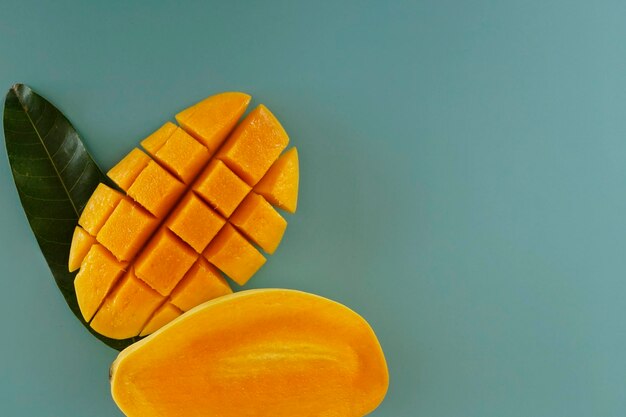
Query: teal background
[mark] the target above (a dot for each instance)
(463, 187)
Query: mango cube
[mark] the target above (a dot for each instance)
(164, 261)
(279, 186)
(128, 169)
(258, 220)
(127, 230)
(81, 243)
(98, 209)
(98, 273)
(254, 145)
(157, 139)
(156, 189)
(195, 222)
(210, 120)
(202, 283)
(127, 309)
(234, 255)
(166, 313)
(221, 188)
(182, 155)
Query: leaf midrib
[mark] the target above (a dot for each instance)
(69, 197)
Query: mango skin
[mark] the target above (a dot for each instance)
(261, 353)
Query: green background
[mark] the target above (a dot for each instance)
(463, 184)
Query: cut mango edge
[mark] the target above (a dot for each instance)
(156, 144)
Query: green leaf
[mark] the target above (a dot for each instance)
(55, 176)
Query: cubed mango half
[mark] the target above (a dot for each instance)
(189, 214)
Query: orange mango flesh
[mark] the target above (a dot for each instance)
(172, 229)
(164, 262)
(126, 230)
(127, 309)
(128, 169)
(156, 189)
(279, 186)
(157, 139)
(98, 273)
(234, 255)
(262, 353)
(202, 283)
(166, 313)
(81, 243)
(221, 188)
(258, 221)
(182, 155)
(210, 120)
(98, 209)
(254, 145)
(195, 222)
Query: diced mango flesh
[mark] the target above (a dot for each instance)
(254, 145)
(162, 316)
(210, 120)
(128, 169)
(202, 283)
(182, 155)
(260, 222)
(98, 273)
(127, 230)
(164, 261)
(98, 209)
(279, 186)
(234, 255)
(126, 309)
(221, 188)
(152, 245)
(156, 190)
(195, 222)
(157, 139)
(81, 243)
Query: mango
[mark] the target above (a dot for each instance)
(262, 353)
(187, 217)
(81, 243)
(280, 184)
(254, 145)
(212, 119)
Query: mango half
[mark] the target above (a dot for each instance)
(186, 211)
(261, 353)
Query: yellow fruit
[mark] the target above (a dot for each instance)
(261, 353)
(280, 185)
(188, 211)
